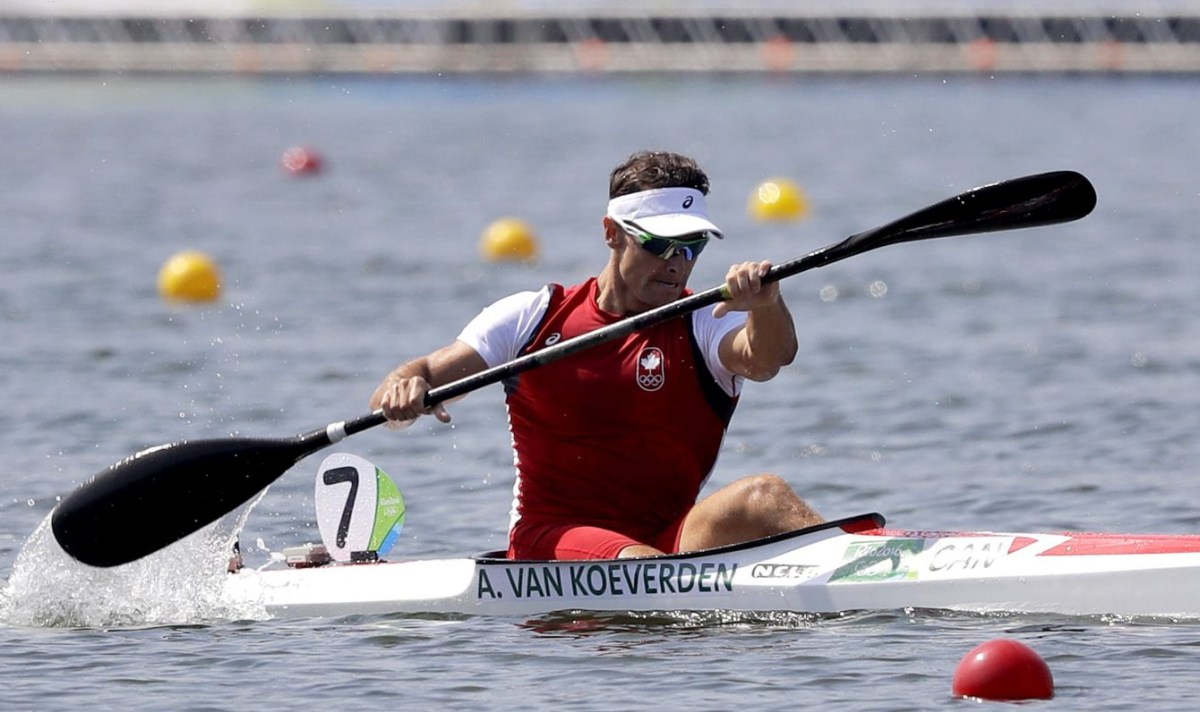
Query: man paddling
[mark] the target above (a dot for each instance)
(613, 444)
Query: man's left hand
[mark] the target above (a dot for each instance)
(746, 288)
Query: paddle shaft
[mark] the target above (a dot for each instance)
(147, 501)
(1043, 199)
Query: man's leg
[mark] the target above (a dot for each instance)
(569, 542)
(752, 507)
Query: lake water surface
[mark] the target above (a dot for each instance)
(1037, 380)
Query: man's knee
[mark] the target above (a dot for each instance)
(749, 508)
(769, 499)
(766, 491)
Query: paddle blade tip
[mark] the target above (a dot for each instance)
(1078, 195)
(79, 540)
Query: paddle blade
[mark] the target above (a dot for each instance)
(1030, 201)
(160, 495)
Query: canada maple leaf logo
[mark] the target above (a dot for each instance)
(651, 371)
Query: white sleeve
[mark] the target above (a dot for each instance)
(502, 328)
(709, 331)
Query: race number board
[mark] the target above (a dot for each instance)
(360, 511)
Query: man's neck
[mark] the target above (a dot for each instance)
(612, 294)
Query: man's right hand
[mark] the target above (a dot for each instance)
(401, 396)
(402, 400)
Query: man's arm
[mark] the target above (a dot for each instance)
(767, 342)
(401, 395)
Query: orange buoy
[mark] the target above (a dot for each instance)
(1003, 670)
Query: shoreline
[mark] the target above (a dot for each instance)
(782, 42)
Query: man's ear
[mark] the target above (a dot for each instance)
(614, 236)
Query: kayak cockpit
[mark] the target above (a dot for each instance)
(850, 525)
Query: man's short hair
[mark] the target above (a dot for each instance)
(647, 170)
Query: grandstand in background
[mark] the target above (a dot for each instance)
(544, 36)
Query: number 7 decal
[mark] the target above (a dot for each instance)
(360, 511)
(333, 477)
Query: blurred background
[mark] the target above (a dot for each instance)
(521, 36)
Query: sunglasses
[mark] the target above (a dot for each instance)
(666, 247)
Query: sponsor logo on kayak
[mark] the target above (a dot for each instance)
(651, 369)
(888, 560)
(783, 571)
(653, 578)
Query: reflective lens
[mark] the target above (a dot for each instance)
(665, 247)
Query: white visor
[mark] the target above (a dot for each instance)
(664, 212)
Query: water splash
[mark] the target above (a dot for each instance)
(581, 623)
(183, 584)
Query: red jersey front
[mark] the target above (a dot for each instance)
(622, 435)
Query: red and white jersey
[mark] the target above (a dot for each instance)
(622, 435)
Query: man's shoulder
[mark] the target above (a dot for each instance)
(519, 300)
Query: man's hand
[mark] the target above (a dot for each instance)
(746, 288)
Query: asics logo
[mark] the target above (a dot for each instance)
(553, 338)
(687, 202)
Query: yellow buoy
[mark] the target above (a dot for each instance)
(189, 277)
(777, 199)
(509, 240)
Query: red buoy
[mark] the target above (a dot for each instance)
(1003, 669)
(299, 161)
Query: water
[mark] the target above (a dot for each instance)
(1036, 380)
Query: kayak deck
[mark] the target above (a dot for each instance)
(851, 564)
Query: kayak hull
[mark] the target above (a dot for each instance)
(853, 564)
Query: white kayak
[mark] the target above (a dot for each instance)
(853, 564)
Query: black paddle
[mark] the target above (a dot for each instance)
(160, 495)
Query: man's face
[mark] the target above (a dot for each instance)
(652, 280)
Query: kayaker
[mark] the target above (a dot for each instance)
(614, 444)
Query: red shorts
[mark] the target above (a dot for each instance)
(576, 542)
